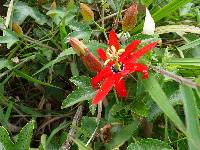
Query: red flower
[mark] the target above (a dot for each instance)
(119, 63)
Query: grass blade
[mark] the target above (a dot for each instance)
(191, 113)
(158, 95)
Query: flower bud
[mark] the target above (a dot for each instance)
(130, 18)
(17, 28)
(78, 46)
(91, 62)
(87, 13)
(149, 24)
(53, 5)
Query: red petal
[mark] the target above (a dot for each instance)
(121, 88)
(141, 52)
(137, 68)
(129, 49)
(102, 54)
(106, 72)
(113, 40)
(103, 91)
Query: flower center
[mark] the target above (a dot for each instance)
(117, 67)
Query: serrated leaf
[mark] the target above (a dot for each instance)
(122, 136)
(81, 81)
(79, 95)
(149, 144)
(22, 10)
(25, 136)
(9, 37)
(177, 28)
(60, 57)
(5, 139)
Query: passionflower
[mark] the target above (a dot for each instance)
(118, 64)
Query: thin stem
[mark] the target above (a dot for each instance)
(120, 9)
(101, 29)
(176, 77)
(98, 121)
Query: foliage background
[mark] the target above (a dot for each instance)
(43, 81)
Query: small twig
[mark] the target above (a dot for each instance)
(36, 42)
(98, 121)
(72, 131)
(176, 77)
(110, 16)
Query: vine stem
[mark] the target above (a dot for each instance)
(72, 131)
(175, 77)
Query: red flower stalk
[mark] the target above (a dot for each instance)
(119, 63)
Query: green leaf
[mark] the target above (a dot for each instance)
(5, 139)
(122, 136)
(25, 136)
(192, 119)
(22, 10)
(59, 15)
(81, 81)
(9, 38)
(88, 125)
(79, 95)
(29, 78)
(81, 145)
(2, 147)
(189, 45)
(80, 30)
(149, 144)
(61, 56)
(93, 45)
(4, 63)
(56, 130)
(185, 61)
(158, 95)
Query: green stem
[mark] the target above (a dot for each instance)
(120, 9)
(101, 29)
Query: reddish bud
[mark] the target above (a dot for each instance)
(89, 60)
(78, 46)
(87, 13)
(130, 18)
